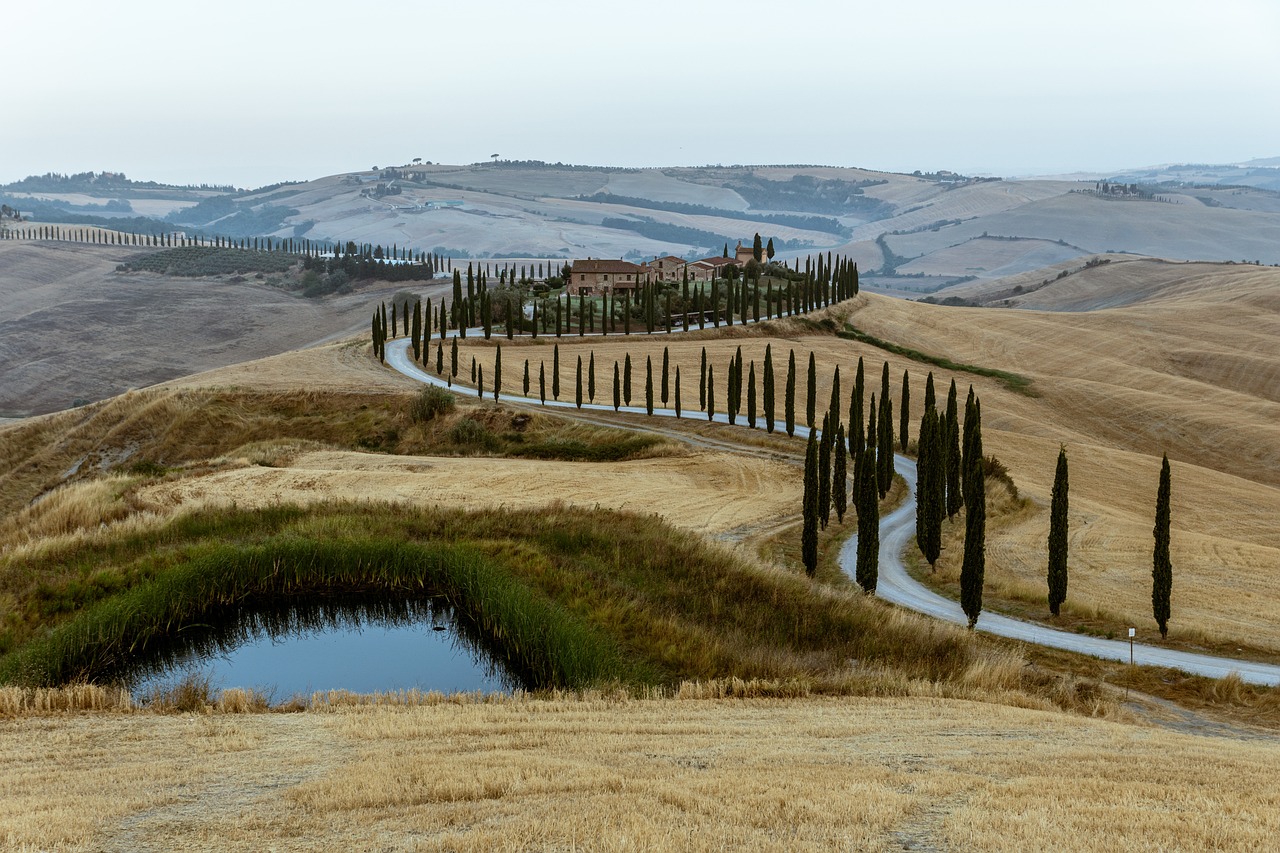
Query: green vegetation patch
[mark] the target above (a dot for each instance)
(571, 596)
(1012, 381)
(198, 261)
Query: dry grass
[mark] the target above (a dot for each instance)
(610, 773)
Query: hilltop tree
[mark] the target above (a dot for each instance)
(1161, 567)
(868, 566)
(809, 532)
(757, 250)
(1058, 536)
(973, 570)
(768, 249)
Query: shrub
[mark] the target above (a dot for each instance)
(472, 433)
(430, 403)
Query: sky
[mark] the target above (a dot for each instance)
(252, 93)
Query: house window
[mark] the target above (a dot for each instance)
(606, 276)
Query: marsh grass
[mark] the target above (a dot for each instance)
(576, 599)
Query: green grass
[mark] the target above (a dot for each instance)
(571, 597)
(1012, 381)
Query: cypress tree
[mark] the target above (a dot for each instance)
(473, 369)
(751, 396)
(809, 532)
(648, 385)
(930, 401)
(833, 408)
(824, 473)
(951, 454)
(867, 572)
(439, 358)
(812, 405)
(1161, 567)
(626, 380)
(617, 388)
(884, 446)
(731, 401)
(677, 391)
(453, 360)
(930, 496)
(702, 381)
(768, 387)
(1058, 535)
(526, 377)
(839, 475)
(497, 372)
(578, 390)
(975, 521)
(393, 320)
(857, 438)
(905, 421)
(789, 395)
(591, 377)
(542, 382)
(479, 379)
(737, 381)
(711, 392)
(555, 371)
(666, 367)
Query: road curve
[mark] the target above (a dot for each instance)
(895, 585)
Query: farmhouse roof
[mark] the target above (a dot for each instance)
(604, 266)
(717, 261)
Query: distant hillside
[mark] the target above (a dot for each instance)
(914, 234)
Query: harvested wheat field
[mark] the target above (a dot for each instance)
(707, 492)
(867, 774)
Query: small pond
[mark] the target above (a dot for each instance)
(362, 645)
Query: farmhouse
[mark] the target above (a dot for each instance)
(743, 254)
(600, 276)
(666, 269)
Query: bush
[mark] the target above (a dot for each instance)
(430, 403)
(471, 432)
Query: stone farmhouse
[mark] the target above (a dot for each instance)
(596, 276)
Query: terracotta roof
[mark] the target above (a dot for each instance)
(717, 261)
(668, 258)
(605, 266)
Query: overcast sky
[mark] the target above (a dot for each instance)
(251, 93)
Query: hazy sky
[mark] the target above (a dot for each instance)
(251, 93)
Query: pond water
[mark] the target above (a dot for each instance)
(359, 645)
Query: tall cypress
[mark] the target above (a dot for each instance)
(789, 395)
(648, 385)
(453, 360)
(497, 372)
(884, 446)
(555, 371)
(812, 405)
(1058, 536)
(711, 392)
(702, 381)
(591, 377)
(626, 380)
(975, 521)
(577, 394)
(867, 571)
(857, 438)
(751, 396)
(542, 382)
(839, 475)
(905, 421)
(768, 387)
(440, 359)
(930, 495)
(1161, 567)
(951, 454)
(824, 472)
(809, 532)
(833, 408)
(677, 401)
(666, 368)
(617, 388)
(526, 377)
